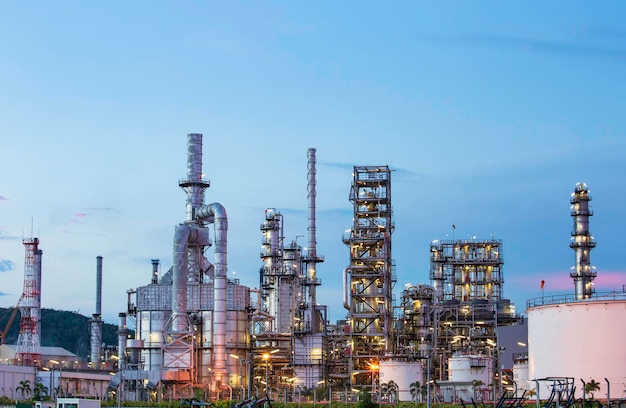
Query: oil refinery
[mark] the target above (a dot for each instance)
(199, 332)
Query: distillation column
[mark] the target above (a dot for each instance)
(310, 342)
(582, 242)
(371, 277)
(312, 318)
(271, 254)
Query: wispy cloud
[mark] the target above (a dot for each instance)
(102, 209)
(4, 236)
(77, 218)
(4, 294)
(94, 234)
(6, 265)
(3, 198)
(529, 45)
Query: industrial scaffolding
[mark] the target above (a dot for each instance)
(459, 312)
(371, 272)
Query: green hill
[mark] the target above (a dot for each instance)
(59, 328)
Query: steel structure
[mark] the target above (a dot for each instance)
(192, 324)
(370, 276)
(197, 331)
(290, 329)
(582, 242)
(459, 312)
(28, 351)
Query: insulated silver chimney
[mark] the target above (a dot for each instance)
(95, 323)
(194, 185)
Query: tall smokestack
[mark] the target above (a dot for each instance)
(312, 259)
(121, 342)
(194, 185)
(582, 243)
(155, 271)
(99, 285)
(95, 323)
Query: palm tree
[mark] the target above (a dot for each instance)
(531, 393)
(23, 388)
(40, 391)
(383, 390)
(591, 387)
(414, 389)
(392, 390)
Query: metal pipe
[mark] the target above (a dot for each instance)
(346, 288)
(37, 312)
(216, 213)
(179, 279)
(608, 392)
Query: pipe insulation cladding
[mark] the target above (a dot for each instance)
(215, 213)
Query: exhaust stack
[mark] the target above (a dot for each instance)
(95, 323)
(311, 259)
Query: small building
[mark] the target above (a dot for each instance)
(10, 378)
(51, 357)
(77, 403)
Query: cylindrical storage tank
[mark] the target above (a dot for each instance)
(205, 357)
(236, 344)
(521, 378)
(150, 326)
(582, 340)
(403, 374)
(133, 349)
(470, 368)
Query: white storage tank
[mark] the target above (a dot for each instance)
(520, 376)
(150, 325)
(469, 368)
(403, 374)
(583, 340)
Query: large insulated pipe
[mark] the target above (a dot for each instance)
(582, 242)
(216, 214)
(312, 245)
(179, 279)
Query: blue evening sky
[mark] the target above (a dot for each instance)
(489, 113)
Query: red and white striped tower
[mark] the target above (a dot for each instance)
(28, 352)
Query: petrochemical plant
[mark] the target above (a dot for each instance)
(198, 331)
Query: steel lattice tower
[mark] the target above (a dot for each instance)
(371, 274)
(28, 352)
